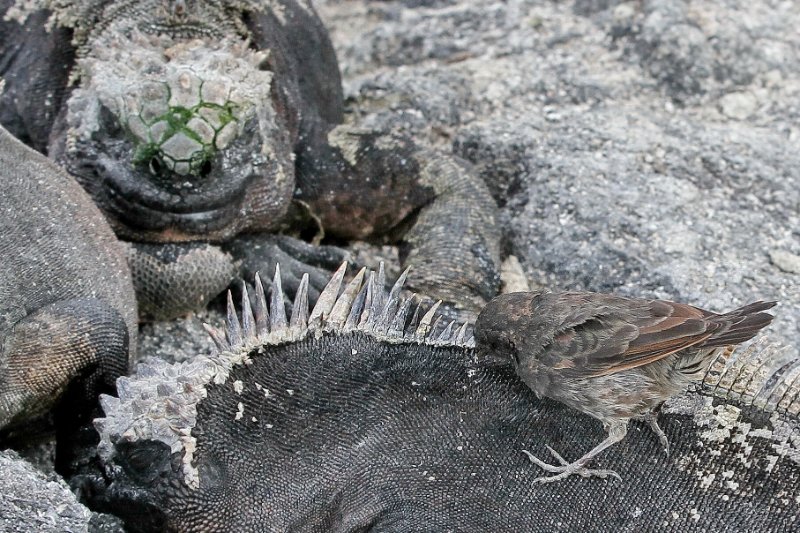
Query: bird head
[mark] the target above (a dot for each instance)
(512, 326)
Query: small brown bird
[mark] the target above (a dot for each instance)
(611, 357)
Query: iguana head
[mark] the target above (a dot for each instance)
(172, 128)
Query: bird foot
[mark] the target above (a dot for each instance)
(566, 469)
(652, 421)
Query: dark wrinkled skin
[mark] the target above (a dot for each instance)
(402, 437)
(300, 182)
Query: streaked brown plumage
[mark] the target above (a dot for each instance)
(611, 357)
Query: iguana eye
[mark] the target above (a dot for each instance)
(144, 461)
(205, 168)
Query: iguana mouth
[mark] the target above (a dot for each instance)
(140, 205)
(192, 219)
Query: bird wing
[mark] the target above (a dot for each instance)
(608, 334)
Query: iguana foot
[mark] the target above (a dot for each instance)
(259, 253)
(566, 469)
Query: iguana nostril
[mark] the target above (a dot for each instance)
(155, 166)
(179, 7)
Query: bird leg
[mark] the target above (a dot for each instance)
(616, 433)
(652, 421)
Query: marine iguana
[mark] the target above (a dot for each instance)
(67, 306)
(195, 122)
(357, 418)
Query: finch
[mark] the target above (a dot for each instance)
(610, 357)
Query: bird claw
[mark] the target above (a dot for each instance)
(652, 421)
(566, 469)
(541, 464)
(558, 457)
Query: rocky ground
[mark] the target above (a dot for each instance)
(645, 147)
(34, 500)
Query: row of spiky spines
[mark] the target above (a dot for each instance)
(363, 306)
(763, 375)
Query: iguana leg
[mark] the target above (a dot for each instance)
(173, 279)
(381, 186)
(46, 350)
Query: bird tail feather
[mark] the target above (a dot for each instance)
(741, 324)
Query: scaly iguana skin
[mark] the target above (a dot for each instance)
(356, 418)
(67, 306)
(195, 122)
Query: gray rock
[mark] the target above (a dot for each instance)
(646, 148)
(34, 498)
(178, 340)
(788, 262)
(33, 501)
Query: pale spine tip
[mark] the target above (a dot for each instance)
(393, 302)
(248, 320)
(277, 308)
(398, 324)
(233, 328)
(327, 298)
(299, 321)
(368, 299)
(218, 337)
(374, 321)
(261, 313)
(460, 334)
(425, 323)
(447, 334)
(354, 316)
(344, 303)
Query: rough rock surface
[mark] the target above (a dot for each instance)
(33, 501)
(646, 148)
